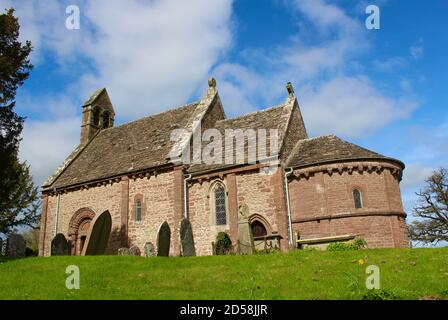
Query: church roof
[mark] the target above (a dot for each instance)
(271, 118)
(329, 148)
(140, 144)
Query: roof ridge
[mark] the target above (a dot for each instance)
(153, 115)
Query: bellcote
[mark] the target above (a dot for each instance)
(98, 114)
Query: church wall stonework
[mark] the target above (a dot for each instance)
(158, 205)
(95, 178)
(322, 205)
(98, 199)
(262, 193)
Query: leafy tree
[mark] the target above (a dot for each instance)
(19, 199)
(432, 209)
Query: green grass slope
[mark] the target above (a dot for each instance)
(404, 274)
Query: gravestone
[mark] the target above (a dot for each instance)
(16, 246)
(163, 240)
(150, 250)
(245, 237)
(134, 251)
(123, 252)
(59, 246)
(186, 238)
(1, 247)
(99, 235)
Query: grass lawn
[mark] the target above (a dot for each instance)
(404, 274)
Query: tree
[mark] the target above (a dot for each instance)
(432, 209)
(19, 198)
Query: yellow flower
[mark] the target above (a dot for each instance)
(361, 262)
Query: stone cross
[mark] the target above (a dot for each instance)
(245, 237)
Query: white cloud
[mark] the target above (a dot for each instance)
(350, 106)
(150, 56)
(417, 50)
(414, 175)
(390, 64)
(154, 55)
(316, 60)
(47, 143)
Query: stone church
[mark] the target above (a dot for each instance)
(324, 189)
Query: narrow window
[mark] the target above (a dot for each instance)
(138, 211)
(220, 205)
(357, 198)
(96, 116)
(105, 120)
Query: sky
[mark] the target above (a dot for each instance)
(384, 89)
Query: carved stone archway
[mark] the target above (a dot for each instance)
(258, 223)
(78, 229)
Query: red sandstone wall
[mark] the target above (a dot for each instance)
(326, 196)
(262, 193)
(158, 205)
(160, 202)
(99, 199)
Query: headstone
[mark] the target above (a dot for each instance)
(134, 251)
(16, 246)
(245, 237)
(186, 238)
(163, 240)
(59, 246)
(1, 247)
(99, 235)
(150, 250)
(123, 252)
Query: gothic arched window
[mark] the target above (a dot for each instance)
(220, 204)
(138, 211)
(357, 198)
(106, 120)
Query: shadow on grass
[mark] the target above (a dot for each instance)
(4, 259)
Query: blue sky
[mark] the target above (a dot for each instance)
(383, 89)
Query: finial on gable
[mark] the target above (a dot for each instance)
(212, 83)
(290, 89)
(211, 87)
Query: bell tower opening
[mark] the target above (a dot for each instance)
(98, 114)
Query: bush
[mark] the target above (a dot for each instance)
(223, 244)
(380, 294)
(357, 244)
(360, 243)
(341, 246)
(30, 252)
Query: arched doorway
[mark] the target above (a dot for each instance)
(78, 229)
